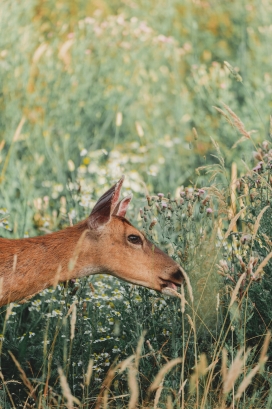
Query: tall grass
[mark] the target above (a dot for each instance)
(91, 91)
(77, 345)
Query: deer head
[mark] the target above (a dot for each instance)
(119, 249)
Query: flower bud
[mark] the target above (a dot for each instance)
(160, 196)
(164, 206)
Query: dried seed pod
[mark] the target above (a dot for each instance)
(158, 208)
(190, 209)
(152, 224)
(149, 200)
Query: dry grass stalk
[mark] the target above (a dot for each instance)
(220, 195)
(182, 386)
(163, 371)
(195, 133)
(89, 372)
(223, 114)
(263, 264)
(39, 52)
(139, 349)
(139, 129)
(170, 291)
(15, 258)
(71, 308)
(14, 139)
(174, 293)
(200, 370)
(233, 223)
(263, 357)
(158, 395)
(237, 122)
(103, 396)
(202, 365)
(217, 301)
(246, 382)
(19, 129)
(124, 364)
(211, 366)
(224, 364)
(73, 322)
(64, 52)
(242, 139)
(230, 111)
(236, 289)
(235, 370)
(23, 376)
(233, 190)
(66, 390)
(133, 387)
(57, 277)
(9, 311)
(183, 300)
(258, 221)
(169, 403)
(73, 260)
(187, 280)
(7, 390)
(2, 144)
(119, 119)
(191, 322)
(233, 71)
(70, 220)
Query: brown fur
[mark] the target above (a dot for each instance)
(29, 265)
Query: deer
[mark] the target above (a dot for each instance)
(106, 242)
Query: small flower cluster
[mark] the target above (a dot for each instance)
(180, 223)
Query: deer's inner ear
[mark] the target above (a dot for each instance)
(121, 207)
(105, 206)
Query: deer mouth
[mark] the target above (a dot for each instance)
(168, 284)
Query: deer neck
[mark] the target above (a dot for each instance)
(30, 265)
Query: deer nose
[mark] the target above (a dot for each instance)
(177, 276)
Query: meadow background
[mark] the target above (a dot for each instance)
(93, 90)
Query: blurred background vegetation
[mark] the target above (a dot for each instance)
(93, 90)
(110, 87)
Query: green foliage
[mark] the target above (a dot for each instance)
(102, 319)
(90, 91)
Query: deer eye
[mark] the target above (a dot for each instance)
(132, 238)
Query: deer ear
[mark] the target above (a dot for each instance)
(121, 207)
(105, 206)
